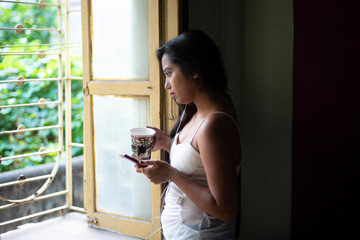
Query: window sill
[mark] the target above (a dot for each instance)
(71, 226)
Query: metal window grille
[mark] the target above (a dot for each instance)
(63, 53)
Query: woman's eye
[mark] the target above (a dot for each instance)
(167, 74)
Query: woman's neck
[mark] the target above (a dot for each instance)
(208, 101)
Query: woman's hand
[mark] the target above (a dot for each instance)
(162, 140)
(156, 171)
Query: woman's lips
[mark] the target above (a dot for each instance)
(172, 94)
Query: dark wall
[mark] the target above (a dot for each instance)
(326, 119)
(266, 122)
(256, 37)
(295, 78)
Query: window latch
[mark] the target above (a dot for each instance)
(86, 90)
(92, 221)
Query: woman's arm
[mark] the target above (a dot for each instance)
(219, 145)
(220, 151)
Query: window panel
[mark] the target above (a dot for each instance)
(122, 91)
(120, 39)
(74, 40)
(120, 190)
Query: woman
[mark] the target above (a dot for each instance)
(205, 150)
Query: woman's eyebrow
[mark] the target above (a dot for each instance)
(166, 69)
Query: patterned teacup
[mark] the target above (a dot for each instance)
(141, 142)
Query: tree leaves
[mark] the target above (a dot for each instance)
(33, 67)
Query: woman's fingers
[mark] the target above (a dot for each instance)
(145, 163)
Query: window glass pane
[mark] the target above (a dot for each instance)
(77, 114)
(77, 178)
(120, 190)
(75, 5)
(120, 39)
(75, 43)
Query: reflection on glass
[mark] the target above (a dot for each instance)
(120, 39)
(75, 42)
(120, 190)
(77, 177)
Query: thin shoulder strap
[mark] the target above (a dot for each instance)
(229, 115)
(197, 130)
(207, 117)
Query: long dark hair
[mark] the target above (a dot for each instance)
(195, 52)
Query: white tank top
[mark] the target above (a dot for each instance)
(185, 158)
(181, 218)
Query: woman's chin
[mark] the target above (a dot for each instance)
(178, 101)
(181, 101)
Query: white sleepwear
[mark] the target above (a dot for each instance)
(181, 218)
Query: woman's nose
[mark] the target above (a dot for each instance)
(167, 84)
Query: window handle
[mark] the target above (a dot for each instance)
(86, 90)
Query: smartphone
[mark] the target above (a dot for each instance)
(123, 155)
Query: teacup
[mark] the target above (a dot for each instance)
(141, 142)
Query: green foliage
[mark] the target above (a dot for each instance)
(33, 67)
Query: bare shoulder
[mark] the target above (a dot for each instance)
(220, 123)
(220, 128)
(219, 138)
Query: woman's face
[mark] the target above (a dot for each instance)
(182, 87)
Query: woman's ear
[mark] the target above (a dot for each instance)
(195, 75)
